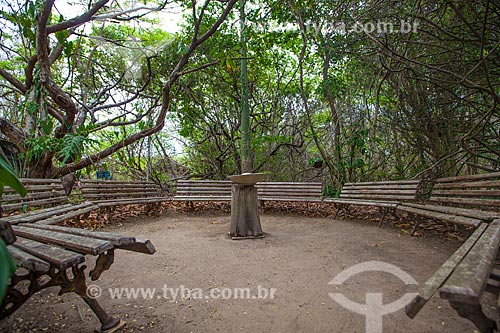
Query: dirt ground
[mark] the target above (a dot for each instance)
(299, 257)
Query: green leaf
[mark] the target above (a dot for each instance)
(62, 36)
(9, 178)
(32, 108)
(47, 126)
(7, 268)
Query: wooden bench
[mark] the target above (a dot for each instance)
(289, 191)
(220, 190)
(190, 191)
(386, 195)
(108, 194)
(48, 256)
(466, 200)
(40, 193)
(45, 202)
(465, 276)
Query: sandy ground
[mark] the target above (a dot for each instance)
(298, 258)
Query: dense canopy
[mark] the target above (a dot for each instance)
(338, 90)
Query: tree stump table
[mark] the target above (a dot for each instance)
(245, 221)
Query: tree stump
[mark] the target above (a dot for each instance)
(245, 221)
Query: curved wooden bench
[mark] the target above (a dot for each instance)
(289, 191)
(107, 194)
(386, 195)
(191, 191)
(467, 200)
(203, 190)
(41, 193)
(45, 202)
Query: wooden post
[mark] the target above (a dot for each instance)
(245, 221)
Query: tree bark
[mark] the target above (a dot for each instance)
(245, 221)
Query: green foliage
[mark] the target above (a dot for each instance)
(7, 268)
(9, 178)
(7, 265)
(70, 147)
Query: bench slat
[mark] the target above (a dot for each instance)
(130, 201)
(69, 215)
(140, 245)
(467, 193)
(204, 192)
(384, 182)
(30, 216)
(387, 204)
(120, 190)
(377, 197)
(104, 184)
(296, 199)
(202, 198)
(469, 177)
(117, 240)
(54, 255)
(438, 279)
(33, 196)
(38, 203)
(288, 194)
(204, 181)
(72, 242)
(118, 195)
(441, 216)
(39, 215)
(375, 187)
(487, 183)
(467, 201)
(473, 213)
(378, 191)
(28, 261)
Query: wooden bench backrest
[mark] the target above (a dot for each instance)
(203, 188)
(481, 190)
(290, 191)
(266, 190)
(95, 190)
(41, 193)
(398, 190)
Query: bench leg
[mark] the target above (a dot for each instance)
(418, 220)
(79, 286)
(383, 211)
(347, 211)
(17, 293)
(343, 209)
(108, 323)
(106, 213)
(474, 313)
(190, 205)
(337, 210)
